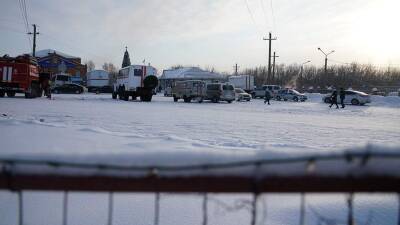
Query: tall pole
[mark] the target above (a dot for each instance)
(236, 69)
(273, 66)
(270, 39)
(326, 60)
(34, 39)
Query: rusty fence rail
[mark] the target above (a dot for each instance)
(154, 180)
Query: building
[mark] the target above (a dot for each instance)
(168, 77)
(55, 62)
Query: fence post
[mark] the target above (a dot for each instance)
(398, 216)
(254, 209)
(65, 208)
(350, 220)
(110, 207)
(302, 209)
(157, 208)
(205, 211)
(20, 208)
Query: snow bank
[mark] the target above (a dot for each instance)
(376, 100)
(387, 101)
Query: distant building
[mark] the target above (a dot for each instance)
(168, 77)
(126, 61)
(55, 62)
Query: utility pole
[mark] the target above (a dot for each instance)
(236, 69)
(34, 39)
(273, 66)
(269, 39)
(326, 60)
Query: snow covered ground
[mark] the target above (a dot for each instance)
(77, 125)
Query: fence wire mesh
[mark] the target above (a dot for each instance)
(39, 207)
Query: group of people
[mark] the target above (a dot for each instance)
(334, 95)
(342, 96)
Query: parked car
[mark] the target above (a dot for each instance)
(188, 90)
(260, 91)
(242, 95)
(351, 97)
(168, 92)
(290, 94)
(220, 92)
(69, 88)
(394, 93)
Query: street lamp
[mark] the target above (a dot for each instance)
(301, 68)
(326, 59)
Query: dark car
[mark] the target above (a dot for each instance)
(68, 89)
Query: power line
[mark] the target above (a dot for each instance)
(251, 15)
(273, 16)
(24, 14)
(264, 12)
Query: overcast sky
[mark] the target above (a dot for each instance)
(213, 33)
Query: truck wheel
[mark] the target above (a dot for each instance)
(229, 101)
(10, 94)
(200, 100)
(126, 97)
(187, 100)
(146, 98)
(114, 95)
(30, 93)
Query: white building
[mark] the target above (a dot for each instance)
(168, 77)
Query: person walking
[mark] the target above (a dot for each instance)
(342, 95)
(334, 99)
(267, 97)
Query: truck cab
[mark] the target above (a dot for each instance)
(19, 75)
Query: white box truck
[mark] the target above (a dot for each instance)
(97, 80)
(245, 82)
(135, 81)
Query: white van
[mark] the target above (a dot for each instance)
(60, 79)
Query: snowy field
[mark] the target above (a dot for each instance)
(95, 124)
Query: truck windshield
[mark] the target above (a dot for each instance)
(227, 87)
(213, 87)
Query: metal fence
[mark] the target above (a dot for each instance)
(256, 190)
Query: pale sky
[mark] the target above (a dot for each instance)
(213, 33)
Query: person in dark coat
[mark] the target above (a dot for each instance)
(334, 99)
(267, 97)
(342, 96)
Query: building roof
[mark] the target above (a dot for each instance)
(46, 52)
(189, 72)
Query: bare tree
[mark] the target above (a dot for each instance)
(90, 65)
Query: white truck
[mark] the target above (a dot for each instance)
(245, 82)
(188, 90)
(97, 80)
(135, 81)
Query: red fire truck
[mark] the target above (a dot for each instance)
(19, 75)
